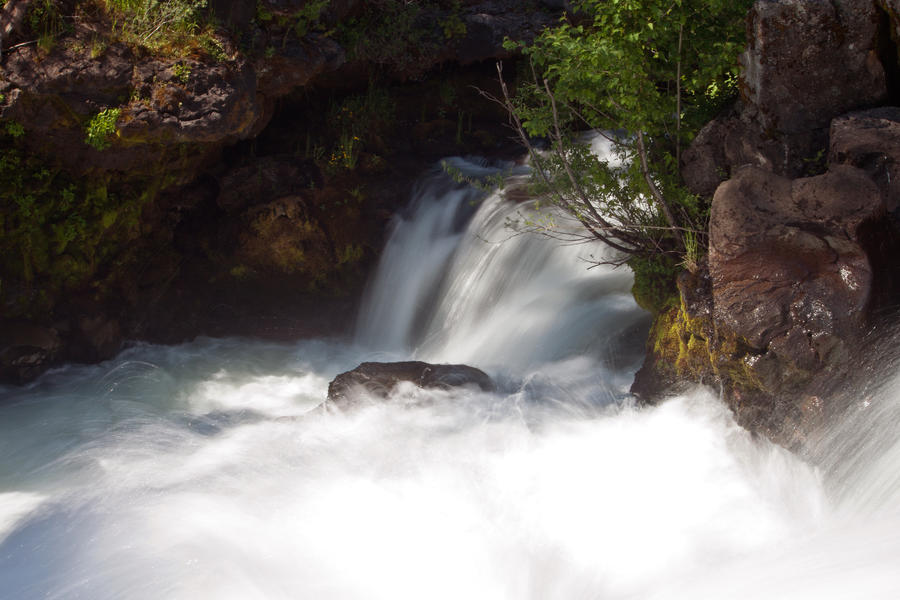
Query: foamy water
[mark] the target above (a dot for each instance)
(202, 471)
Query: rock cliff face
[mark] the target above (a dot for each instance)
(803, 220)
(235, 182)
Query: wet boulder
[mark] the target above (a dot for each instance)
(376, 379)
(790, 273)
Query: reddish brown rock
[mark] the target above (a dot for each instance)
(809, 60)
(723, 145)
(789, 271)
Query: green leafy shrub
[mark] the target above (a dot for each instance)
(15, 129)
(263, 14)
(654, 71)
(182, 72)
(453, 25)
(307, 18)
(46, 22)
(389, 33)
(101, 127)
(654, 286)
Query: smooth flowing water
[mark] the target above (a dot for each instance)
(198, 471)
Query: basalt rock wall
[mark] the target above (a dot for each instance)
(804, 221)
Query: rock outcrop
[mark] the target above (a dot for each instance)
(806, 63)
(803, 225)
(789, 271)
(378, 380)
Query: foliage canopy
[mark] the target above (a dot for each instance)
(653, 72)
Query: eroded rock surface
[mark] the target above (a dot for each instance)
(807, 62)
(214, 220)
(789, 272)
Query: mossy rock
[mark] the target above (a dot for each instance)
(655, 282)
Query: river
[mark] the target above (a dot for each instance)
(202, 470)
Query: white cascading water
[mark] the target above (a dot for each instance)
(198, 471)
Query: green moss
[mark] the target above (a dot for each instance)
(57, 233)
(240, 271)
(690, 348)
(654, 286)
(350, 254)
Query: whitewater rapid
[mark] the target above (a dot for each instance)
(202, 471)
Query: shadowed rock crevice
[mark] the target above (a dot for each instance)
(888, 54)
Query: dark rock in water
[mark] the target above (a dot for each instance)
(799, 269)
(379, 379)
(97, 337)
(26, 350)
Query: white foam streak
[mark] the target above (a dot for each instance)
(14, 507)
(444, 501)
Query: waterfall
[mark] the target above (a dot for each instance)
(202, 470)
(457, 284)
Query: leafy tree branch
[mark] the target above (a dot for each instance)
(647, 75)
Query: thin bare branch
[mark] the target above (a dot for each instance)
(655, 191)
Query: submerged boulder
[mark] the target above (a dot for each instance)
(377, 379)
